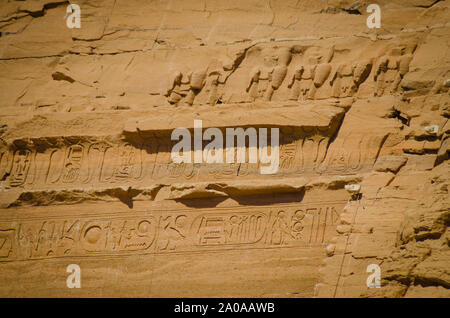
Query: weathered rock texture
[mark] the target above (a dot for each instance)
(86, 175)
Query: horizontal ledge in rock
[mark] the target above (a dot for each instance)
(177, 191)
(311, 115)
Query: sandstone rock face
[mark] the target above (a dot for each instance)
(87, 177)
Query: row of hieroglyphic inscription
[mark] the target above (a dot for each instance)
(160, 232)
(103, 162)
